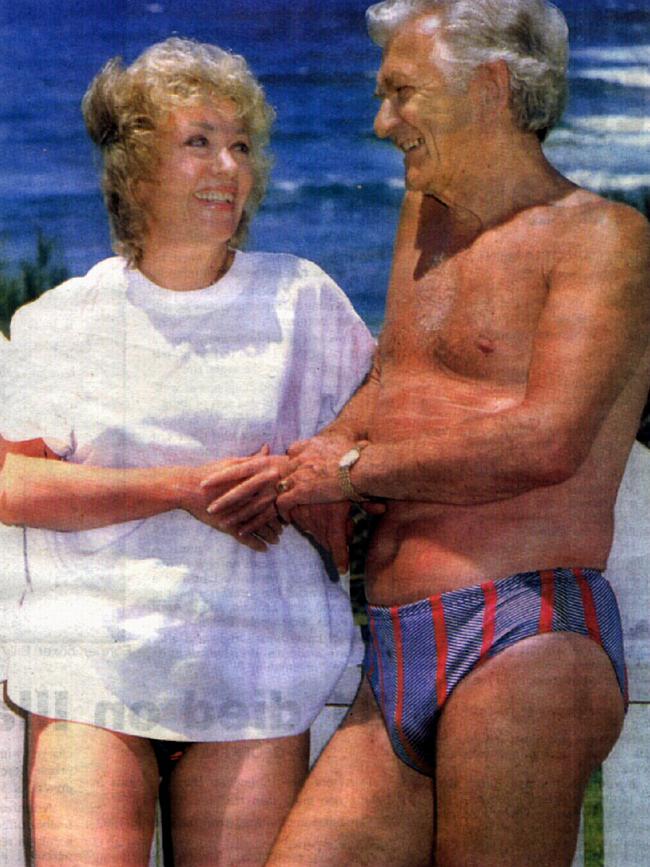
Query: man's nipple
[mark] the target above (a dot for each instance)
(486, 345)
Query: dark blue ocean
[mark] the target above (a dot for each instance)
(335, 190)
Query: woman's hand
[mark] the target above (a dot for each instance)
(241, 495)
(57, 495)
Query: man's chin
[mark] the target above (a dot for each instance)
(415, 183)
(411, 183)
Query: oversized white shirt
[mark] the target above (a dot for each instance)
(12, 584)
(162, 626)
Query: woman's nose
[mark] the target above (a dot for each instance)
(225, 162)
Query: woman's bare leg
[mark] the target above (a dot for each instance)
(92, 795)
(229, 800)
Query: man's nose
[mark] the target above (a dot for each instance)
(386, 119)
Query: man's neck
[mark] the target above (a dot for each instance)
(508, 174)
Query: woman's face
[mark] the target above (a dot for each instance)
(204, 176)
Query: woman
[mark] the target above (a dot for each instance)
(154, 635)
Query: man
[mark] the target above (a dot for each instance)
(509, 381)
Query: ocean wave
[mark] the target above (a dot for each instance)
(628, 76)
(613, 123)
(25, 186)
(615, 54)
(337, 185)
(306, 76)
(608, 182)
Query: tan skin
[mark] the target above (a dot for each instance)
(510, 378)
(92, 792)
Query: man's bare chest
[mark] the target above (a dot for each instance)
(477, 320)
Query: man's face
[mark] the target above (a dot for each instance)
(427, 117)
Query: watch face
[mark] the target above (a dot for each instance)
(350, 458)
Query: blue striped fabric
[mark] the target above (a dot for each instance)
(416, 654)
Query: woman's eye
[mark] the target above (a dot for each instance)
(197, 141)
(243, 147)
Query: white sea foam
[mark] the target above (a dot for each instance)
(615, 54)
(395, 183)
(613, 123)
(287, 186)
(627, 76)
(596, 180)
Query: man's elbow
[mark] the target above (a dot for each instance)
(557, 458)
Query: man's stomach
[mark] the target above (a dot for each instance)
(420, 549)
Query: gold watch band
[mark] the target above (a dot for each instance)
(347, 487)
(346, 463)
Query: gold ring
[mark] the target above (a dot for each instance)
(283, 487)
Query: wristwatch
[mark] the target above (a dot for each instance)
(346, 463)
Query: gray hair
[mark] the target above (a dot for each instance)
(531, 36)
(124, 107)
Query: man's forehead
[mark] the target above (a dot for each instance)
(414, 46)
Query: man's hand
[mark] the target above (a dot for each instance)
(329, 524)
(313, 473)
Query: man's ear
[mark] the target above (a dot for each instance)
(492, 83)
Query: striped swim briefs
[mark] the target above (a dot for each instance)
(416, 654)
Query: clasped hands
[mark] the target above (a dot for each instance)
(254, 498)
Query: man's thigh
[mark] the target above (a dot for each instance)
(361, 804)
(517, 742)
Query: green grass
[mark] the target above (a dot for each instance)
(30, 279)
(594, 845)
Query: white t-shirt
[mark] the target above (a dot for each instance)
(164, 627)
(12, 583)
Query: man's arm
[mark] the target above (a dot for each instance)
(327, 523)
(590, 341)
(351, 424)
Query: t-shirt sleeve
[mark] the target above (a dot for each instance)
(38, 376)
(341, 347)
(4, 370)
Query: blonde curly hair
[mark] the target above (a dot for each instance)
(123, 108)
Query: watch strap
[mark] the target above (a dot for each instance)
(348, 489)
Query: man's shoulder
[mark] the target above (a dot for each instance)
(584, 231)
(596, 221)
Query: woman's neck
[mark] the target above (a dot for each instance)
(185, 269)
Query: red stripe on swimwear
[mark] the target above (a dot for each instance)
(380, 667)
(588, 605)
(440, 632)
(591, 618)
(547, 601)
(489, 617)
(399, 704)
